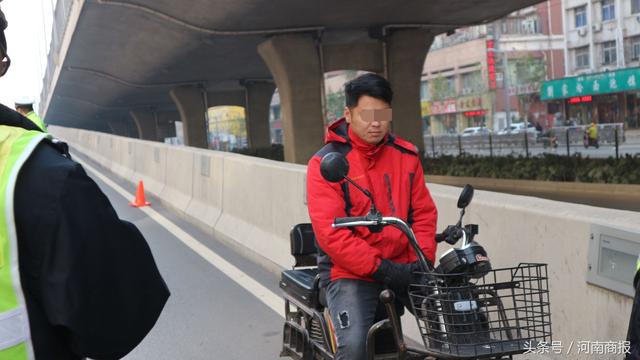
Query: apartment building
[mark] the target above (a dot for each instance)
(464, 79)
(602, 52)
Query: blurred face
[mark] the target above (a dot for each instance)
(370, 119)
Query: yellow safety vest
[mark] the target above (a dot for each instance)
(36, 120)
(16, 145)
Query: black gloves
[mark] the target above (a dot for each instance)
(395, 275)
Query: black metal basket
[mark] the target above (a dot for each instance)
(503, 312)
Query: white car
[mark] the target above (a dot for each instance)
(478, 130)
(517, 128)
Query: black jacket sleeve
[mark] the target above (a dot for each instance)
(92, 274)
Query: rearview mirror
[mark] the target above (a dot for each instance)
(334, 167)
(465, 197)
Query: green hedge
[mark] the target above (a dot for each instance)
(626, 170)
(274, 152)
(547, 167)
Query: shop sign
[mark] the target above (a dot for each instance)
(491, 63)
(523, 89)
(425, 107)
(593, 84)
(443, 107)
(475, 113)
(469, 103)
(580, 99)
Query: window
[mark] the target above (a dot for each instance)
(608, 10)
(581, 16)
(530, 25)
(582, 57)
(424, 91)
(450, 86)
(635, 49)
(609, 53)
(635, 6)
(471, 82)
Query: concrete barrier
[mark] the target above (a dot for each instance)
(150, 165)
(205, 206)
(178, 187)
(262, 201)
(253, 203)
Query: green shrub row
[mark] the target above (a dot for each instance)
(625, 170)
(548, 167)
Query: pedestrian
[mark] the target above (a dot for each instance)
(75, 280)
(25, 107)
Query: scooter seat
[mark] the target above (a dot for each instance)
(302, 284)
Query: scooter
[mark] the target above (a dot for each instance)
(588, 141)
(464, 308)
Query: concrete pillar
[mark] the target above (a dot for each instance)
(406, 53)
(190, 103)
(295, 66)
(257, 113)
(145, 121)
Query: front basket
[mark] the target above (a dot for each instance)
(505, 311)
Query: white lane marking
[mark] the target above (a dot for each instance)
(268, 297)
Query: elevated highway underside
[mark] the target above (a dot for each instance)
(127, 55)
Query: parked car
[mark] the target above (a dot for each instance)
(474, 131)
(517, 128)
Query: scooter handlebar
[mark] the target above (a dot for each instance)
(347, 220)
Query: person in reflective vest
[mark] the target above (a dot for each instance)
(75, 281)
(633, 334)
(25, 107)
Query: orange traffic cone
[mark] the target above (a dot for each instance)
(139, 200)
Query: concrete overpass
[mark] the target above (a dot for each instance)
(130, 67)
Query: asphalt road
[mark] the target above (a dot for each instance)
(208, 316)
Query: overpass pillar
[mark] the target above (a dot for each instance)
(407, 50)
(146, 123)
(190, 103)
(257, 113)
(295, 66)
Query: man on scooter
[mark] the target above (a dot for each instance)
(357, 264)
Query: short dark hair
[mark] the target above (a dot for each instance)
(28, 107)
(368, 84)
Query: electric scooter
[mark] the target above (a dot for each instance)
(464, 308)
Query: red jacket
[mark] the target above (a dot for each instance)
(392, 172)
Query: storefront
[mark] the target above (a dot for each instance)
(471, 112)
(442, 117)
(608, 97)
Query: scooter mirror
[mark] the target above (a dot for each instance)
(334, 167)
(465, 197)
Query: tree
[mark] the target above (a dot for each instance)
(529, 71)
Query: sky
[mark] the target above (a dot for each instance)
(28, 36)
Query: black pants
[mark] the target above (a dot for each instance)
(633, 334)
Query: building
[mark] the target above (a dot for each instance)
(602, 52)
(464, 78)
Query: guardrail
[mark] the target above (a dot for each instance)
(567, 138)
